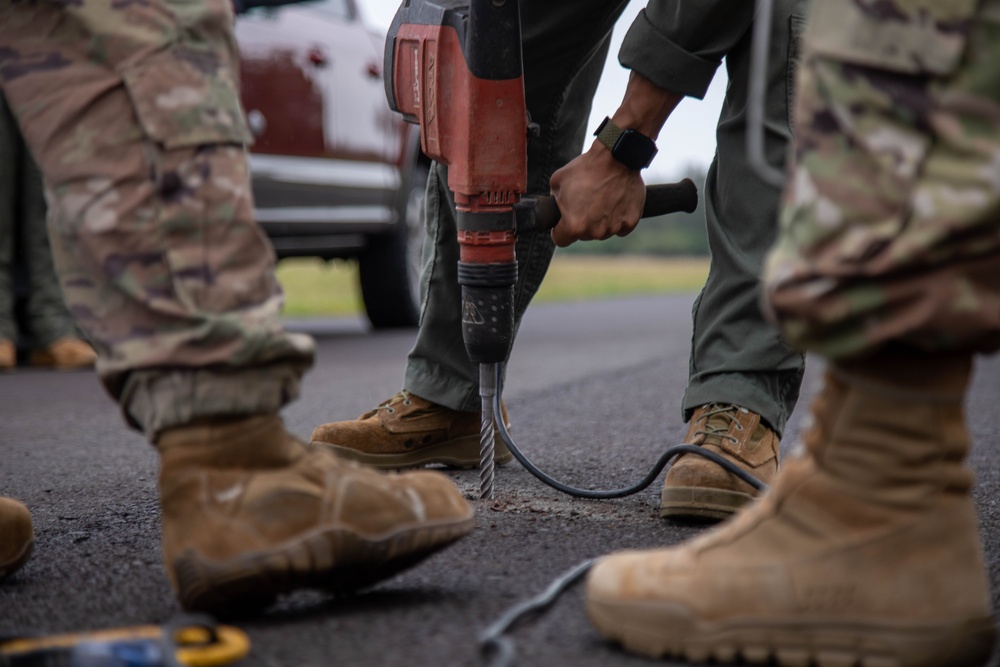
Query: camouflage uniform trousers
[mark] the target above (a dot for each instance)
(132, 113)
(890, 231)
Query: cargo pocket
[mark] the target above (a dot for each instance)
(186, 103)
(186, 96)
(922, 37)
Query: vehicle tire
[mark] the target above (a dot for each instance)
(390, 267)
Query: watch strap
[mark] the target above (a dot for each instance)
(608, 133)
(630, 147)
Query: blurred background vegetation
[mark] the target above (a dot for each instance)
(668, 254)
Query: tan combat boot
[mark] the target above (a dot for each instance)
(696, 488)
(17, 537)
(66, 354)
(409, 432)
(249, 513)
(865, 551)
(8, 354)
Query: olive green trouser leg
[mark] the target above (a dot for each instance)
(8, 169)
(565, 46)
(47, 318)
(736, 356)
(24, 240)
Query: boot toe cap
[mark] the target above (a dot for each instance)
(441, 500)
(17, 536)
(627, 575)
(340, 433)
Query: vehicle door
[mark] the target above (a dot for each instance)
(313, 94)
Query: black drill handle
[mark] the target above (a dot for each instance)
(660, 200)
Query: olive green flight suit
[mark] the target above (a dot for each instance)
(736, 356)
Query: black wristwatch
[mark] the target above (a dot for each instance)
(631, 148)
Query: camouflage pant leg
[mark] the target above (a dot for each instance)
(132, 114)
(891, 226)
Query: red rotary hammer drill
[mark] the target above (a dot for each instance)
(454, 67)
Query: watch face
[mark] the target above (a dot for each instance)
(634, 150)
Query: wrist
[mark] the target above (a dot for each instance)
(631, 148)
(645, 106)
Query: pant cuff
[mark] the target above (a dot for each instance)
(155, 400)
(435, 384)
(771, 395)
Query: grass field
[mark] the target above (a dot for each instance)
(314, 288)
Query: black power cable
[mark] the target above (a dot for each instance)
(664, 459)
(492, 641)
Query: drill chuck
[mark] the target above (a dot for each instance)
(487, 310)
(487, 272)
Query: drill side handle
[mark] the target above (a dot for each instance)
(541, 213)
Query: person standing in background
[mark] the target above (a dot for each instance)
(24, 241)
(743, 379)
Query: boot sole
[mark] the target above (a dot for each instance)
(339, 560)
(462, 453)
(663, 631)
(701, 503)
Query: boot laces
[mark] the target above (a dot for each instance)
(402, 396)
(725, 416)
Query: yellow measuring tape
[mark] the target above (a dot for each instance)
(195, 645)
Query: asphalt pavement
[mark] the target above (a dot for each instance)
(593, 390)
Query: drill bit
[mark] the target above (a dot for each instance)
(487, 390)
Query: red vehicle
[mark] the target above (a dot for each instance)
(336, 174)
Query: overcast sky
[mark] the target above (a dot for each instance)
(689, 136)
